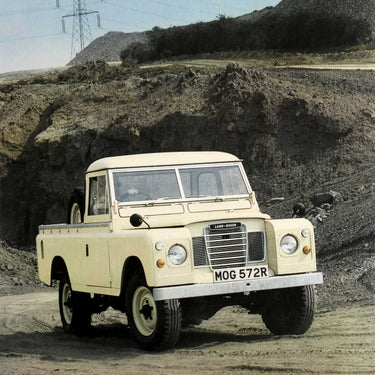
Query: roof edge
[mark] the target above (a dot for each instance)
(161, 159)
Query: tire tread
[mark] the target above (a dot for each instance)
(302, 306)
(168, 328)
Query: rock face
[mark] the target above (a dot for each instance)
(299, 133)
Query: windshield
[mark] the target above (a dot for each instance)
(146, 185)
(212, 181)
(179, 183)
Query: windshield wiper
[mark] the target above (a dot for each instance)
(201, 196)
(211, 197)
(165, 198)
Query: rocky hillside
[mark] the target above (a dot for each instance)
(300, 133)
(108, 47)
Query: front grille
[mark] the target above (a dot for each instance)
(200, 253)
(228, 245)
(256, 246)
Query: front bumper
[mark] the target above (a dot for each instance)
(247, 286)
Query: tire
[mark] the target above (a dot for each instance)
(74, 308)
(155, 325)
(293, 311)
(76, 207)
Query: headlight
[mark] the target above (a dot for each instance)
(288, 244)
(177, 254)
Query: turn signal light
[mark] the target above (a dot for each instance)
(306, 249)
(160, 263)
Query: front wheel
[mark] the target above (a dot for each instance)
(74, 308)
(154, 324)
(292, 311)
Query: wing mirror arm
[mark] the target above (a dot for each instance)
(136, 220)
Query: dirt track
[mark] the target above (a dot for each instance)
(32, 341)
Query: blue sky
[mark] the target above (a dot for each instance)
(31, 33)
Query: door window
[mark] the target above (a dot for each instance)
(98, 198)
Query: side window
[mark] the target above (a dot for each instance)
(98, 202)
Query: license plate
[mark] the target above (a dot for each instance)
(243, 273)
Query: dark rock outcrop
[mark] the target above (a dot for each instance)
(299, 133)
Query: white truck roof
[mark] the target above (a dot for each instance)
(161, 159)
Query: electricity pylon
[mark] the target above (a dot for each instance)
(81, 33)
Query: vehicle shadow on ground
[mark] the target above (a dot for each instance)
(192, 338)
(107, 341)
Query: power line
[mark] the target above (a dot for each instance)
(191, 9)
(38, 8)
(125, 25)
(140, 11)
(15, 39)
(233, 7)
(13, 13)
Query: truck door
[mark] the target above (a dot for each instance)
(96, 264)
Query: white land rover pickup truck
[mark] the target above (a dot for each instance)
(169, 239)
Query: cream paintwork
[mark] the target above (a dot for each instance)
(96, 218)
(169, 215)
(294, 263)
(69, 242)
(95, 252)
(161, 159)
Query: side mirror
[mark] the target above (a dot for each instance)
(136, 220)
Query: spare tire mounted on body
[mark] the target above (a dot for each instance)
(76, 207)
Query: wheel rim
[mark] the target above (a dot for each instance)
(66, 303)
(75, 214)
(144, 311)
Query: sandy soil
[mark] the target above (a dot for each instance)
(341, 341)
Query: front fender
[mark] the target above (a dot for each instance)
(303, 260)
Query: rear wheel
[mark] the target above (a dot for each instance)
(154, 324)
(74, 308)
(292, 313)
